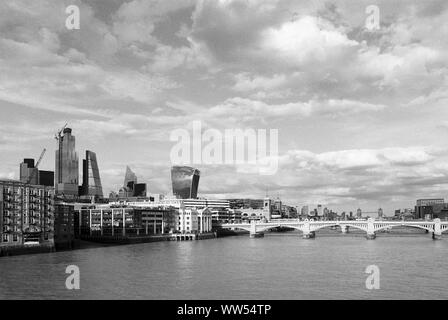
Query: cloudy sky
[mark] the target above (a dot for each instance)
(362, 115)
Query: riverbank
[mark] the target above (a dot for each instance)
(26, 249)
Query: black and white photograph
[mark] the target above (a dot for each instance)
(225, 151)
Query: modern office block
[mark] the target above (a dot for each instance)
(67, 171)
(185, 181)
(91, 183)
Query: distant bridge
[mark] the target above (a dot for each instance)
(309, 227)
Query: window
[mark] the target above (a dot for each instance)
(5, 238)
(14, 238)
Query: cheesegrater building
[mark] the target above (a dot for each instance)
(91, 181)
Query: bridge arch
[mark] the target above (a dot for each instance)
(391, 226)
(356, 226)
(236, 227)
(268, 228)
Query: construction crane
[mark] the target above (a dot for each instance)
(33, 173)
(59, 134)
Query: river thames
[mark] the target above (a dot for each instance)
(278, 266)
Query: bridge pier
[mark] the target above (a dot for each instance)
(344, 229)
(437, 234)
(309, 235)
(253, 230)
(371, 236)
(257, 235)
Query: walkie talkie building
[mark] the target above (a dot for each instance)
(185, 182)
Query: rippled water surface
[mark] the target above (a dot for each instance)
(278, 266)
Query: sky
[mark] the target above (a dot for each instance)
(361, 114)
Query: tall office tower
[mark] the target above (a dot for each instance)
(91, 181)
(380, 213)
(67, 174)
(185, 181)
(27, 170)
(130, 179)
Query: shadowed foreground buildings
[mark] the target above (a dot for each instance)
(26, 217)
(185, 181)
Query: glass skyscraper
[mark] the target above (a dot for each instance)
(185, 182)
(67, 171)
(91, 181)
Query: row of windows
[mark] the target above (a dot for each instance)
(6, 238)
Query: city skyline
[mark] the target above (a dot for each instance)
(361, 123)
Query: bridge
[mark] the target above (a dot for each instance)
(309, 227)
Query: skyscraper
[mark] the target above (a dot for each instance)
(91, 181)
(130, 179)
(67, 174)
(185, 181)
(130, 186)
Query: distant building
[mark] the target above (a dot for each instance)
(46, 178)
(246, 203)
(32, 175)
(430, 208)
(26, 216)
(91, 181)
(305, 212)
(67, 171)
(380, 213)
(267, 209)
(131, 188)
(28, 171)
(140, 190)
(130, 179)
(320, 211)
(185, 182)
(206, 203)
(429, 202)
(359, 213)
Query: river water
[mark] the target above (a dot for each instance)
(278, 266)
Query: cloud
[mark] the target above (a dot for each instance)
(349, 103)
(249, 110)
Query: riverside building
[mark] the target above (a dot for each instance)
(26, 217)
